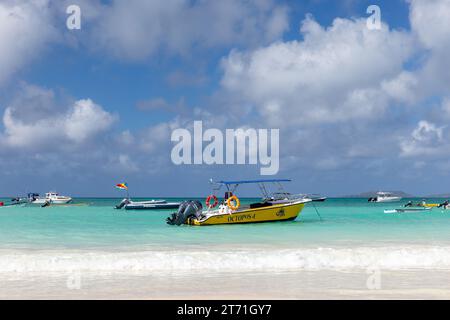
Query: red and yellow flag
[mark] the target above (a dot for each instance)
(122, 186)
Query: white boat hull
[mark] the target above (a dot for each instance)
(52, 201)
(405, 210)
(151, 205)
(127, 204)
(390, 199)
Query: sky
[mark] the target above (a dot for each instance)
(357, 108)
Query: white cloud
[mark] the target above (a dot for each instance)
(125, 138)
(25, 30)
(430, 20)
(425, 139)
(135, 30)
(402, 88)
(85, 119)
(125, 163)
(156, 137)
(34, 120)
(20, 134)
(332, 75)
(427, 132)
(446, 107)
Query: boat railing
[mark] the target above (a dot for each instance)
(286, 196)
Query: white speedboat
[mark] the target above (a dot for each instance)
(50, 198)
(385, 197)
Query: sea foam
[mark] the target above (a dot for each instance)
(272, 260)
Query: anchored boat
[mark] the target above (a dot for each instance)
(385, 197)
(229, 210)
(127, 204)
(405, 210)
(50, 198)
(14, 202)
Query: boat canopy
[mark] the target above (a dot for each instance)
(381, 193)
(233, 185)
(254, 181)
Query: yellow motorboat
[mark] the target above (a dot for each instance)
(281, 207)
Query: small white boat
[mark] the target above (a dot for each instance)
(127, 204)
(403, 210)
(316, 197)
(15, 202)
(50, 198)
(385, 197)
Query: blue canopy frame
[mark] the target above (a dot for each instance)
(255, 181)
(260, 183)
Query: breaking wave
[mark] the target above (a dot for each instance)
(271, 260)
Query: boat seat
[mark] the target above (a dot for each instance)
(260, 205)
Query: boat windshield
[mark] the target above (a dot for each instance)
(52, 194)
(385, 194)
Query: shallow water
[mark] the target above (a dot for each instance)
(350, 235)
(346, 222)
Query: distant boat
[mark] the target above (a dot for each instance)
(277, 196)
(127, 204)
(50, 198)
(14, 202)
(403, 210)
(316, 198)
(385, 197)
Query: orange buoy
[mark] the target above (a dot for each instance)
(236, 205)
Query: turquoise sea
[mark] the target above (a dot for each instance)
(350, 233)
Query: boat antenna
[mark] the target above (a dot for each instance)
(214, 185)
(317, 211)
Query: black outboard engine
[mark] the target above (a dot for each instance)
(187, 209)
(46, 204)
(15, 200)
(32, 197)
(123, 203)
(444, 204)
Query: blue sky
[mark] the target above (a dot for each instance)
(357, 109)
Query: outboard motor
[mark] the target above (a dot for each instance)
(444, 204)
(46, 204)
(123, 203)
(32, 197)
(187, 209)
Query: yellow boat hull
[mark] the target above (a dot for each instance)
(281, 212)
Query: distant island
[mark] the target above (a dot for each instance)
(370, 194)
(442, 195)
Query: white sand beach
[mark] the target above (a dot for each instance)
(405, 284)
